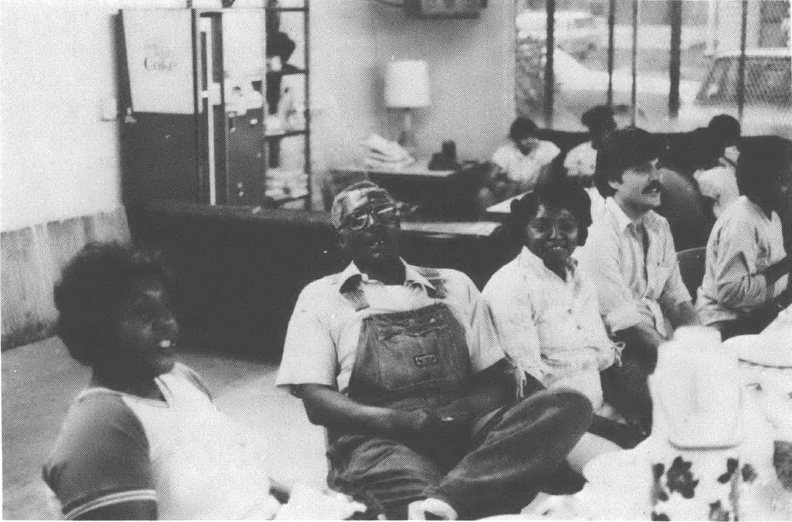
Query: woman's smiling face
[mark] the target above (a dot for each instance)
(145, 338)
(552, 235)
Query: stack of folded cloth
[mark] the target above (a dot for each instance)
(383, 154)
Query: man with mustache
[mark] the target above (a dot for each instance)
(631, 259)
(402, 366)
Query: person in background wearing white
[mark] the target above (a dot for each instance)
(517, 165)
(716, 171)
(727, 131)
(631, 259)
(747, 268)
(581, 161)
(545, 311)
(717, 181)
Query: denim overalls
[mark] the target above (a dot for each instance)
(419, 359)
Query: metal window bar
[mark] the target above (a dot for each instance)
(611, 31)
(696, 35)
(634, 86)
(741, 70)
(675, 60)
(549, 64)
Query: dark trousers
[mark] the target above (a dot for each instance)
(746, 326)
(626, 387)
(507, 460)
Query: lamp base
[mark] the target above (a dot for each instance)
(407, 136)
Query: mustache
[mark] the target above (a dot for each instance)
(654, 185)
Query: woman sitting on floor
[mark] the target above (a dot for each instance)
(144, 440)
(544, 310)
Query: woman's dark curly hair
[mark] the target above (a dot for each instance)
(559, 192)
(93, 286)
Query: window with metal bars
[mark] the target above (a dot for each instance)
(673, 64)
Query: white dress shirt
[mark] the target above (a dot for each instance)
(743, 242)
(632, 287)
(524, 168)
(550, 327)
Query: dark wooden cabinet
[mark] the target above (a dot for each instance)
(197, 127)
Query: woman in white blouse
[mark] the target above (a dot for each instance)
(746, 280)
(544, 310)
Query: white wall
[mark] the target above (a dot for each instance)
(59, 160)
(471, 67)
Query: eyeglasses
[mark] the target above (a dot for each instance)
(360, 218)
(545, 227)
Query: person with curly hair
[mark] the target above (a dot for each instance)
(144, 440)
(545, 310)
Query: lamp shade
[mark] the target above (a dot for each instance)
(407, 84)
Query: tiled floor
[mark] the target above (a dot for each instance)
(40, 380)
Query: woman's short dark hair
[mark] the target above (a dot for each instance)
(726, 128)
(598, 118)
(557, 193)
(93, 286)
(522, 128)
(762, 162)
(621, 150)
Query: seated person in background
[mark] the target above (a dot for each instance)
(726, 130)
(544, 310)
(631, 259)
(144, 440)
(402, 366)
(717, 181)
(519, 164)
(687, 211)
(747, 267)
(581, 161)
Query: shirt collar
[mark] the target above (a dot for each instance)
(623, 221)
(353, 276)
(531, 261)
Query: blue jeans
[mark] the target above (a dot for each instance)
(500, 471)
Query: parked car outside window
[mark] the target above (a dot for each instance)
(767, 92)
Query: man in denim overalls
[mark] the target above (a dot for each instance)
(402, 366)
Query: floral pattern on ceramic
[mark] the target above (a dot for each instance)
(695, 485)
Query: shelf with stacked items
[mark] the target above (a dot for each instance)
(286, 184)
(287, 122)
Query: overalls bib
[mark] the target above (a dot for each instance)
(419, 359)
(404, 360)
(409, 360)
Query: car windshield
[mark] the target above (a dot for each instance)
(767, 80)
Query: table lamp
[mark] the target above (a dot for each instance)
(407, 88)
